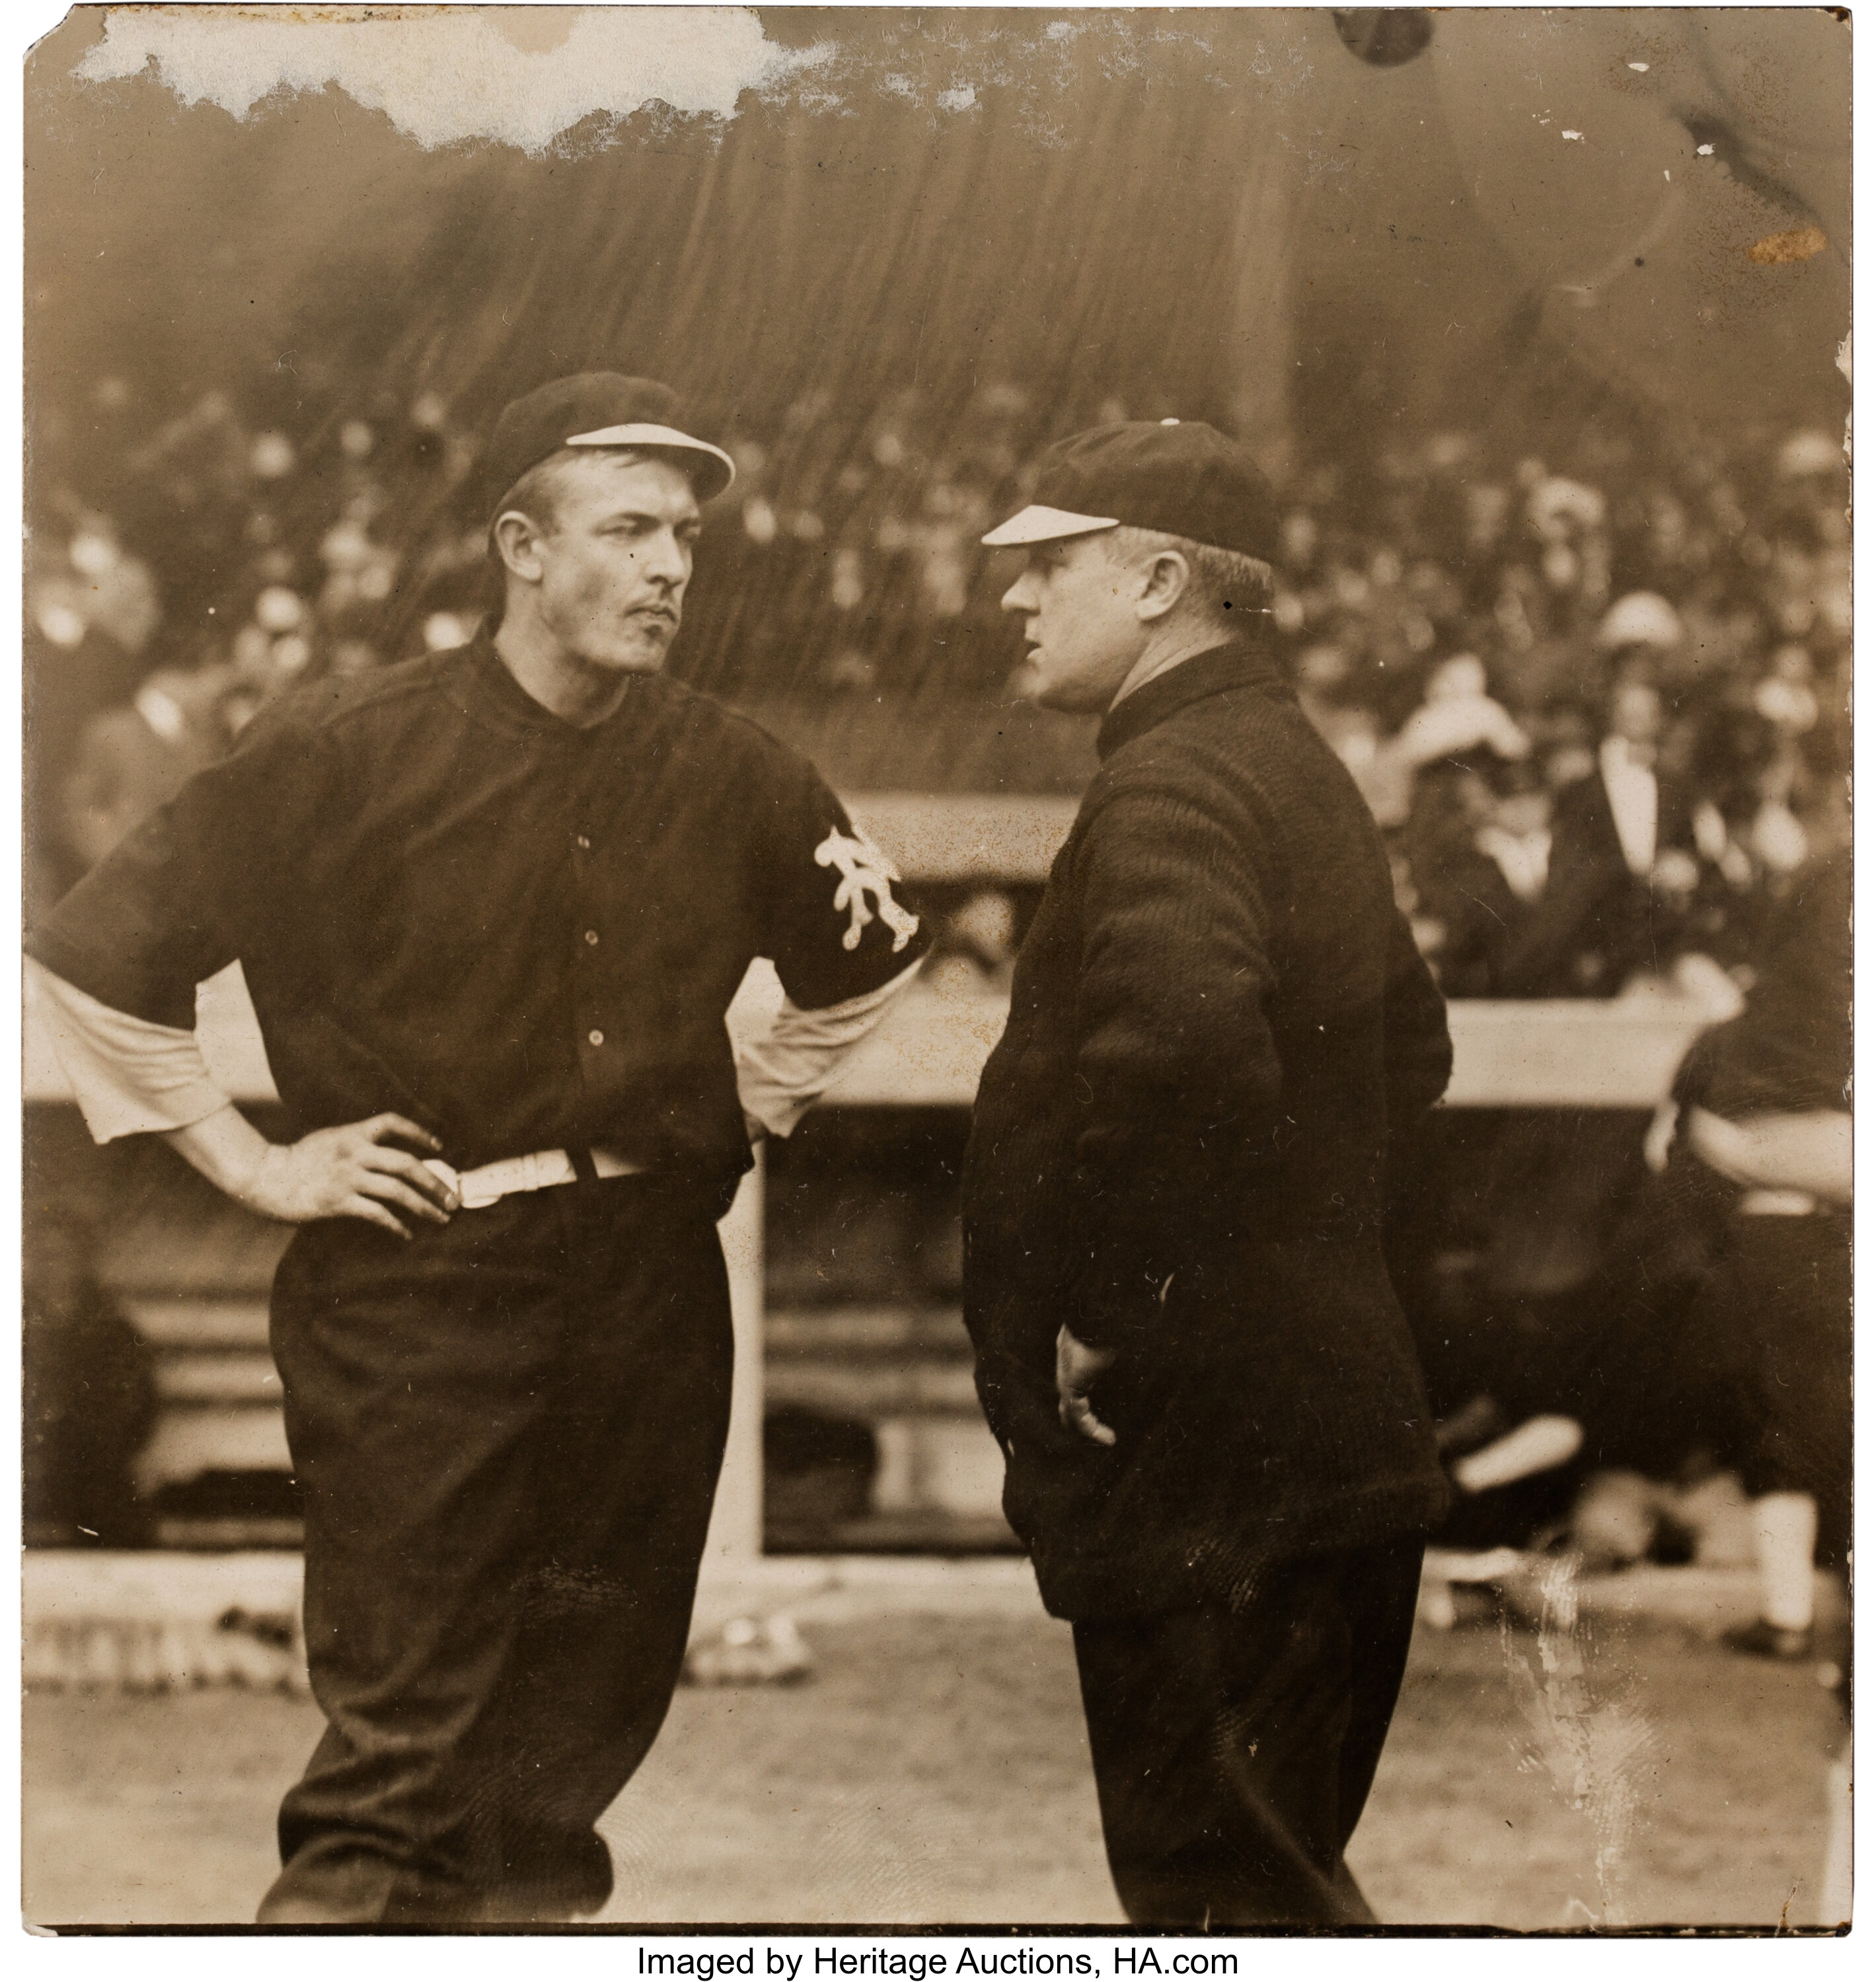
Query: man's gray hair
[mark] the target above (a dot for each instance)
(1224, 581)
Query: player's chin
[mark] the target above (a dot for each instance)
(641, 647)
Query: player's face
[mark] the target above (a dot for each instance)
(614, 561)
(1083, 633)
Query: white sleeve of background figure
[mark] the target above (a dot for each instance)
(782, 1072)
(129, 1077)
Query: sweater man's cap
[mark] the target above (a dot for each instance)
(597, 409)
(1180, 477)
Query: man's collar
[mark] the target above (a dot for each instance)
(487, 687)
(1624, 756)
(1238, 662)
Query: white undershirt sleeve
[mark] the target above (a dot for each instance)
(129, 1077)
(132, 1077)
(781, 1073)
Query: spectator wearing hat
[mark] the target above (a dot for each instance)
(131, 759)
(492, 905)
(1621, 873)
(1218, 1449)
(1479, 851)
(1750, 842)
(91, 614)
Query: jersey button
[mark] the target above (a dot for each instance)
(583, 842)
(595, 1037)
(593, 936)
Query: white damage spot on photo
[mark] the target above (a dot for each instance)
(518, 75)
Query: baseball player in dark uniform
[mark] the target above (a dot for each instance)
(1218, 1447)
(492, 906)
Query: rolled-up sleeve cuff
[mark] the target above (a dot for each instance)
(129, 1076)
(781, 1074)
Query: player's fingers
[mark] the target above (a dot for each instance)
(394, 1190)
(414, 1171)
(380, 1126)
(373, 1213)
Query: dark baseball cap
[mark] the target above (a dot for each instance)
(596, 410)
(1181, 477)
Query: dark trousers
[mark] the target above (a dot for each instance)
(507, 1432)
(1232, 1754)
(1776, 1313)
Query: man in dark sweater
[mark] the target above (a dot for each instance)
(1218, 1447)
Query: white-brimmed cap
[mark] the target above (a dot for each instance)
(1181, 477)
(1039, 524)
(596, 409)
(644, 433)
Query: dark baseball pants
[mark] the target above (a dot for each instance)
(1232, 1754)
(508, 1433)
(1776, 1309)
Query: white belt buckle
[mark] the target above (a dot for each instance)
(456, 1182)
(475, 1189)
(540, 1169)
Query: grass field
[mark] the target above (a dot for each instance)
(935, 1770)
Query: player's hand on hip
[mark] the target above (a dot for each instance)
(357, 1170)
(1077, 1366)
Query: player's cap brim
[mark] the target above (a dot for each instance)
(1039, 524)
(642, 433)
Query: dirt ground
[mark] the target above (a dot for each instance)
(935, 1770)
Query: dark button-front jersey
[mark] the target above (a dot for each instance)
(448, 902)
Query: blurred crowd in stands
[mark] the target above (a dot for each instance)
(1597, 704)
(1597, 701)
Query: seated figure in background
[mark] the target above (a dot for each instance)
(136, 757)
(1479, 846)
(1612, 905)
(89, 1401)
(1763, 1104)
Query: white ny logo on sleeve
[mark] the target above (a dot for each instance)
(863, 868)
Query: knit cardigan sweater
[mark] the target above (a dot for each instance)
(1218, 1023)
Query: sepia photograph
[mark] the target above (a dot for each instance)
(936, 978)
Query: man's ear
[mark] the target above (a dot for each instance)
(517, 540)
(1167, 579)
